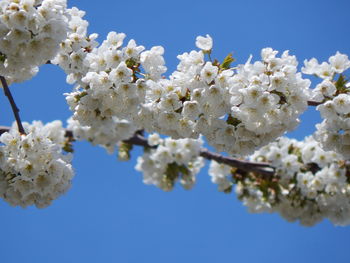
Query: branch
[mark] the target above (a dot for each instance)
(247, 166)
(13, 105)
(313, 103)
(139, 140)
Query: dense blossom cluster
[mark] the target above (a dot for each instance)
(77, 45)
(334, 93)
(107, 94)
(171, 161)
(309, 183)
(243, 109)
(30, 34)
(33, 170)
(236, 110)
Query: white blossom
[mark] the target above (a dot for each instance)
(339, 62)
(30, 36)
(306, 179)
(204, 43)
(172, 161)
(33, 169)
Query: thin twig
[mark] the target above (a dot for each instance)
(13, 105)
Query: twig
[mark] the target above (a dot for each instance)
(13, 105)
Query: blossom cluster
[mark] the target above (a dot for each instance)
(309, 183)
(33, 170)
(107, 96)
(30, 34)
(334, 95)
(237, 110)
(75, 47)
(171, 161)
(107, 93)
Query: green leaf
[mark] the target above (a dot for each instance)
(68, 147)
(2, 57)
(130, 63)
(227, 62)
(184, 170)
(232, 121)
(228, 190)
(79, 96)
(124, 150)
(340, 83)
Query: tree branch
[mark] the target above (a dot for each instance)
(313, 103)
(13, 105)
(248, 166)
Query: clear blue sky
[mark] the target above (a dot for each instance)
(109, 215)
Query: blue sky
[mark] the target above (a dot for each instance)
(109, 215)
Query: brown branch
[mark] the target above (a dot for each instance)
(247, 166)
(13, 105)
(4, 129)
(313, 103)
(139, 140)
